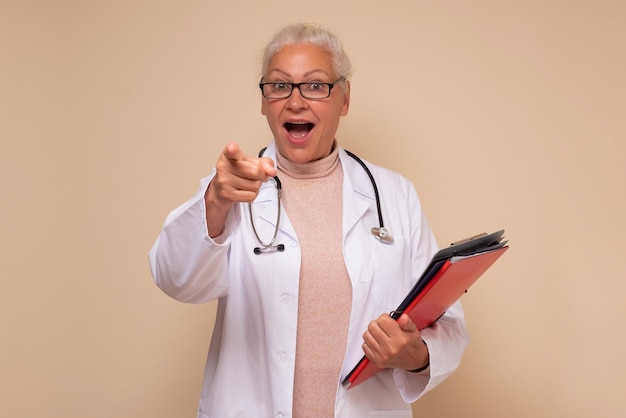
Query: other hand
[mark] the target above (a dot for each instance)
(395, 344)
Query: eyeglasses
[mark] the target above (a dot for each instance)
(311, 90)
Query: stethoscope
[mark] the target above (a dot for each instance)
(381, 233)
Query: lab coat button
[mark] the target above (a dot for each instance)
(280, 415)
(281, 356)
(293, 243)
(284, 298)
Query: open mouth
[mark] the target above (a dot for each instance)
(298, 130)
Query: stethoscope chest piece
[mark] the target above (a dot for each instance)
(382, 234)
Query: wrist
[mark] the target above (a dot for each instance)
(421, 369)
(426, 365)
(216, 212)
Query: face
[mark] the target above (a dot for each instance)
(304, 129)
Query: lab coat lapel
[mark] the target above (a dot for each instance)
(265, 207)
(358, 200)
(358, 193)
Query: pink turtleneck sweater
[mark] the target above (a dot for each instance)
(312, 198)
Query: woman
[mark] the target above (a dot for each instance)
(304, 288)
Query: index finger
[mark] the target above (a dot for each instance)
(232, 152)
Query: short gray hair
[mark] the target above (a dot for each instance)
(308, 33)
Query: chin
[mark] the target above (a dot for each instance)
(299, 157)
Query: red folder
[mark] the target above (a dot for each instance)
(445, 282)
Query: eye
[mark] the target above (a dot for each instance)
(315, 86)
(280, 86)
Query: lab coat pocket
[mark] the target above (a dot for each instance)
(391, 273)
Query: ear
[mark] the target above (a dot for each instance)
(346, 100)
(263, 105)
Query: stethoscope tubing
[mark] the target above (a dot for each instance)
(374, 186)
(381, 233)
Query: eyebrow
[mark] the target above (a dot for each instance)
(307, 74)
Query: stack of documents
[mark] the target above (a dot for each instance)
(449, 274)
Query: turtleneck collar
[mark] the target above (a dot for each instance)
(312, 169)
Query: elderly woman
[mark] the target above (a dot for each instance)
(284, 242)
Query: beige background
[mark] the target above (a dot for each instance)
(505, 114)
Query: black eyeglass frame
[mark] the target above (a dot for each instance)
(297, 85)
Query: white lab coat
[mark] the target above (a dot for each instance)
(250, 366)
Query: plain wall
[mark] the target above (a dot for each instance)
(505, 114)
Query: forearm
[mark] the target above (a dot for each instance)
(446, 341)
(216, 212)
(186, 263)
